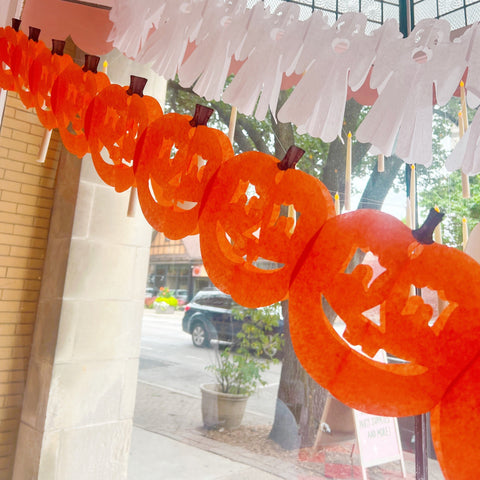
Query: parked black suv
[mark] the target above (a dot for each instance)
(209, 316)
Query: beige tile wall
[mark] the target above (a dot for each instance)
(26, 195)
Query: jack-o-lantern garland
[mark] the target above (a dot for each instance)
(242, 223)
(178, 159)
(435, 354)
(43, 71)
(73, 90)
(174, 161)
(115, 119)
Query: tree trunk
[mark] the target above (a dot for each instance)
(300, 400)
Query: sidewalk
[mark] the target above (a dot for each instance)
(169, 443)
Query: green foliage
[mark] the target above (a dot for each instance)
(437, 186)
(172, 301)
(238, 368)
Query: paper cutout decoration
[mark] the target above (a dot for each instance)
(187, 175)
(132, 23)
(72, 92)
(409, 72)
(23, 54)
(241, 223)
(455, 425)
(333, 59)
(267, 53)
(115, 119)
(466, 154)
(11, 41)
(174, 161)
(165, 47)
(472, 83)
(44, 69)
(446, 347)
(219, 37)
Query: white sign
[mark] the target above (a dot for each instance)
(378, 440)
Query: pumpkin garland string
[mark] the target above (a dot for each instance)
(190, 181)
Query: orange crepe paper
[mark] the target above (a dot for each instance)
(435, 354)
(10, 40)
(236, 231)
(43, 72)
(455, 425)
(23, 55)
(72, 92)
(115, 120)
(174, 163)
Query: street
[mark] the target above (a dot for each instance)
(168, 359)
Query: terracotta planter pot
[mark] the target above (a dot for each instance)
(222, 409)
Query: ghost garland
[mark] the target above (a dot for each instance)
(189, 180)
(211, 39)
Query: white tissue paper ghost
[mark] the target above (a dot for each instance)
(221, 34)
(403, 111)
(269, 50)
(331, 55)
(132, 23)
(165, 48)
(472, 82)
(466, 154)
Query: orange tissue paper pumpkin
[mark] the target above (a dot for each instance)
(115, 119)
(434, 350)
(72, 92)
(11, 40)
(43, 72)
(175, 159)
(24, 54)
(250, 246)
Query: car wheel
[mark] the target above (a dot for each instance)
(199, 335)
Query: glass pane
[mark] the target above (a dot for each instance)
(473, 14)
(445, 7)
(456, 19)
(425, 9)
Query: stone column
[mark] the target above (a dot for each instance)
(80, 392)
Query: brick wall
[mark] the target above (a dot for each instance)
(26, 195)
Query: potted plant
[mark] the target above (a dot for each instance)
(238, 368)
(165, 302)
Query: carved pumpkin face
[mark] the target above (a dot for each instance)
(115, 120)
(174, 162)
(72, 92)
(431, 364)
(242, 224)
